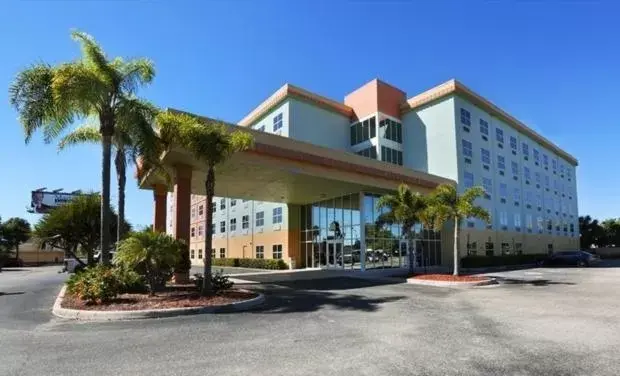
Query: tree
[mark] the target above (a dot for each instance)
(591, 233)
(157, 253)
(403, 208)
(445, 204)
(75, 224)
(50, 98)
(211, 143)
(611, 228)
(133, 137)
(15, 231)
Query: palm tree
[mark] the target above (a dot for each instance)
(212, 143)
(445, 204)
(134, 137)
(50, 98)
(405, 208)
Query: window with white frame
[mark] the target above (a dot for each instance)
(556, 185)
(554, 165)
(526, 173)
(516, 194)
(200, 229)
(277, 215)
(467, 148)
(468, 179)
(201, 210)
(503, 218)
(213, 206)
(556, 205)
(537, 177)
(561, 168)
(485, 155)
(513, 143)
(465, 117)
(528, 221)
(233, 202)
(525, 148)
(260, 251)
(484, 127)
(563, 206)
(501, 162)
(277, 122)
(192, 254)
(260, 218)
(499, 135)
(547, 184)
(192, 231)
(245, 221)
(545, 160)
(277, 251)
(261, 128)
(517, 219)
(193, 212)
(222, 203)
(529, 197)
(487, 185)
(223, 226)
(212, 228)
(222, 252)
(549, 203)
(200, 253)
(539, 200)
(233, 224)
(539, 223)
(503, 190)
(515, 168)
(536, 155)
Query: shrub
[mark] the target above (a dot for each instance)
(490, 261)
(251, 263)
(150, 253)
(130, 281)
(184, 264)
(97, 284)
(219, 281)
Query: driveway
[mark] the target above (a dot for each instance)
(346, 326)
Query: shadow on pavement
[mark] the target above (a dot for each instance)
(11, 293)
(13, 270)
(533, 282)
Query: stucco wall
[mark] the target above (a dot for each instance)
(318, 126)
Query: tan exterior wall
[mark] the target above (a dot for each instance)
(244, 246)
(30, 257)
(531, 243)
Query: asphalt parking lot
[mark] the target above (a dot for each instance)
(566, 325)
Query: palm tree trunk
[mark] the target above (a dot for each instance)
(121, 168)
(106, 144)
(210, 190)
(456, 246)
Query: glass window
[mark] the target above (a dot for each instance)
(233, 202)
(468, 179)
(222, 252)
(261, 128)
(537, 177)
(192, 231)
(499, 135)
(536, 155)
(539, 223)
(245, 221)
(222, 203)
(528, 221)
(260, 251)
(233, 224)
(213, 206)
(200, 253)
(353, 136)
(277, 215)
(200, 229)
(539, 200)
(373, 127)
(525, 148)
(223, 226)
(513, 143)
(554, 164)
(503, 190)
(200, 210)
(486, 156)
(465, 117)
(503, 218)
(192, 254)
(484, 127)
(515, 168)
(526, 172)
(547, 184)
(277, 251)
(365, 130)
(260, 218)
(517, 218)
(517, 194)
(193, 212)
(212, 228)
(501, 162)
(545, 160)
(529, 196)
(487, 185)
(467, 148)
(277, 122)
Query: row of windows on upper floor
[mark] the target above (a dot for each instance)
(198, 230)
(277, 123)
(199, 209)
(531, 199)
(276, 252)
(387, 154)
(541, 224)
(525, 147)
(367, 129)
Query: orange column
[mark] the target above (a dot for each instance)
(160, 195)
(182, 201)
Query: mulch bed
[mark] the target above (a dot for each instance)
(449, 278)
(171, 298)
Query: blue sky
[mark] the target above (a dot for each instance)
(553, 65)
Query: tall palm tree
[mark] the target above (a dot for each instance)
(134, 137)
(446, 204)
(50, 98)
(211, 143)
(405, 207)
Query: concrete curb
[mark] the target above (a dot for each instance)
(77, 314)
(424, 282)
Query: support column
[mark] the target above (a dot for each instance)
(362, 234)
(182, 202)
(160, 196)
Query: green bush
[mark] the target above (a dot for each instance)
(505, 260)
(97, 284)
(184, 264)
(130, 281)
(219, 281)
(251, 263)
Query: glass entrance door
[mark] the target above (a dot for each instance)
(333, 254)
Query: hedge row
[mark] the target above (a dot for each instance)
(487, 261)
(250, 263)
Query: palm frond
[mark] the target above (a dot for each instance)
(94, 57)
(84, 134)
(134, 73)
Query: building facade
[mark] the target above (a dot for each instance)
(448, 131)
